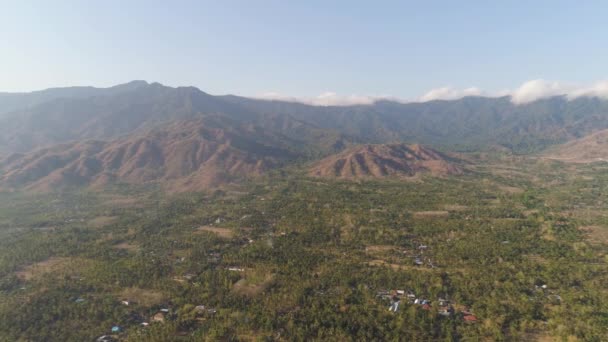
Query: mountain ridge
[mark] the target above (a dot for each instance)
(386, 160)
(280, 131)
(470, 123)
(11, 101)
(184, 156)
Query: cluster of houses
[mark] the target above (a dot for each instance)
(160, 316)
(445, 308)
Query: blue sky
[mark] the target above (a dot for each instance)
(305, 48)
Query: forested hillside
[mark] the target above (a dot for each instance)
(471, 123)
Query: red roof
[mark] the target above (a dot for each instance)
(470, 318)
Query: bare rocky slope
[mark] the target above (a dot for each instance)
(386, 160)
(184, 156)
(591, 148)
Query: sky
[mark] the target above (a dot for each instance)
(310, 50)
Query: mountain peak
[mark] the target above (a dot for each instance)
(132, 84)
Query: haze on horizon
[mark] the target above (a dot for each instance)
(319, 53)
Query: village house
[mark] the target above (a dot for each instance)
(470, 318)
(394, 307)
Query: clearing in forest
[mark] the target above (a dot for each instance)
(102, 221)
(511, 189)
(596, 234)
(455, 207)
(222, 232)
(252, 287)
(380, 248)
(52, 264)
(126, 246)
(431, 213)
(398, 267)
(144, 297)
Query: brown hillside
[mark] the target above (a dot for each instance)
(390, 160)
(591, 148)
(188, 155)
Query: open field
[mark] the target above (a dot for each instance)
(435, 213)
(596, 234)
(142, 297)
(38, 269)
(221, 232)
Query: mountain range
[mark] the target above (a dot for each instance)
(140, 132)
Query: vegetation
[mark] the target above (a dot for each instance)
(31, 120)
(290, 257)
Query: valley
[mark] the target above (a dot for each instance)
(289, 256)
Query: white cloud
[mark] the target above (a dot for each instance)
(449, 93)
(327, 99)
(527, 92)
(538, 89)
(598, 89)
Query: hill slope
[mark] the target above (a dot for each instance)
(470, 123)
(390, 160)
(185, 155)
(138, 110)
(591, 148)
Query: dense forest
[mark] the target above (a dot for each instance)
(514, 250)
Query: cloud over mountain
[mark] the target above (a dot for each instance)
(527, 92)
(327, 99)
(538, 89)
(449, 93)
